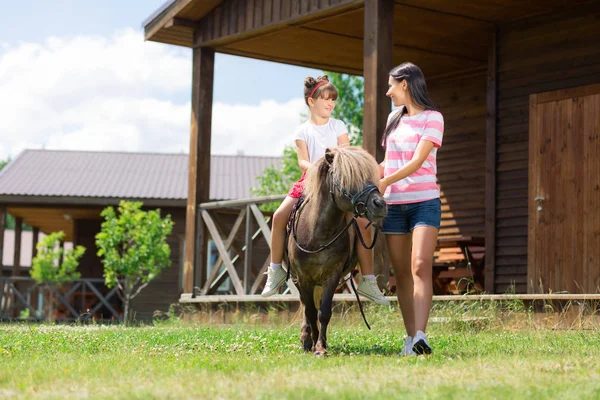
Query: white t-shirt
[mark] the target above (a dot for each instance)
(318, 138)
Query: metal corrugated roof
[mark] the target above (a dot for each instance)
(125, 175)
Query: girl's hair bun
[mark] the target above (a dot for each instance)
(310, 82)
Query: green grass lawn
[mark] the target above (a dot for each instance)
(184, 360)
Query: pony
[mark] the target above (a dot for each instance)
(321, 249)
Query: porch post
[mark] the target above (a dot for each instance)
(490, 166)
(199, 165)
(62, 253)
(34, 241)
(2, 228)
(378, 48)
(16, 269)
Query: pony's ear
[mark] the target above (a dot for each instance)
(329, 156)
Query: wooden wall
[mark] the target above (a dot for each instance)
(85, 235)
(535, 55)
(461, 159)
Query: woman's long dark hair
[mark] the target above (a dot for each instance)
(417, 89)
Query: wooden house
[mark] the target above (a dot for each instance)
(66, 190)
(518, 83)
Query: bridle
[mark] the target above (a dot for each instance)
(360, 210)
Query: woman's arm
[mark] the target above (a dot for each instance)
(302, 151)
(423, 149)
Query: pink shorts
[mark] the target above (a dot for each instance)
(296, 190)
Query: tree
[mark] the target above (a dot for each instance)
(134, 249)
(278, 180)
(47, 268)
(349, 109)
(350, 103)
(4, 162)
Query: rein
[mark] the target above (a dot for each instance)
(360, 210)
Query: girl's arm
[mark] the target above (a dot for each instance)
(343, 140)
(302, 151)
(423, 149)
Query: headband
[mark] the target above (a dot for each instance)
(316, 87)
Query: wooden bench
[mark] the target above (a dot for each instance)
(459, 264)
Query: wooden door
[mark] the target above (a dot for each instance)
(564, 191)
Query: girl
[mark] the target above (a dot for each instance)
(312, 138)
(411, 139)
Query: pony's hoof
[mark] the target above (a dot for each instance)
(308, 346)
(321, 353)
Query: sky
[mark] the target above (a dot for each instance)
(78, 75)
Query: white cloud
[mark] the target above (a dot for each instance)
(121, 93)
(263, 129)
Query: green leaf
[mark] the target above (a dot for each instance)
(133, 244)
(46, 267)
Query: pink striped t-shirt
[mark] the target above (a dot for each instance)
(400, 148)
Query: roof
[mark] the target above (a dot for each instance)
(122, 175)
(442, 37)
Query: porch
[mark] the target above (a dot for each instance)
(81, 300)
(482, 61)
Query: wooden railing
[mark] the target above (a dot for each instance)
(82, 299)
(237, 259)
(237, 226)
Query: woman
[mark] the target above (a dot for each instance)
(411, 139)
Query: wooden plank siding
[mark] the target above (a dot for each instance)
(533, 58)
(245, 16)
(461, 159)
(564, 232)
(437, 45)
(261, 16)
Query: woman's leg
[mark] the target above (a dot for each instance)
(399, 249)
(423, 247)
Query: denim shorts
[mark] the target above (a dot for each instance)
(403, 218)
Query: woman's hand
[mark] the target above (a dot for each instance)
(383, 184)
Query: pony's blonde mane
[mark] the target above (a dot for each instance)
(353, 167)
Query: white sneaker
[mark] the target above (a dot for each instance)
(369, 289)
(275, 278)
(407, 349)
(420, 345)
